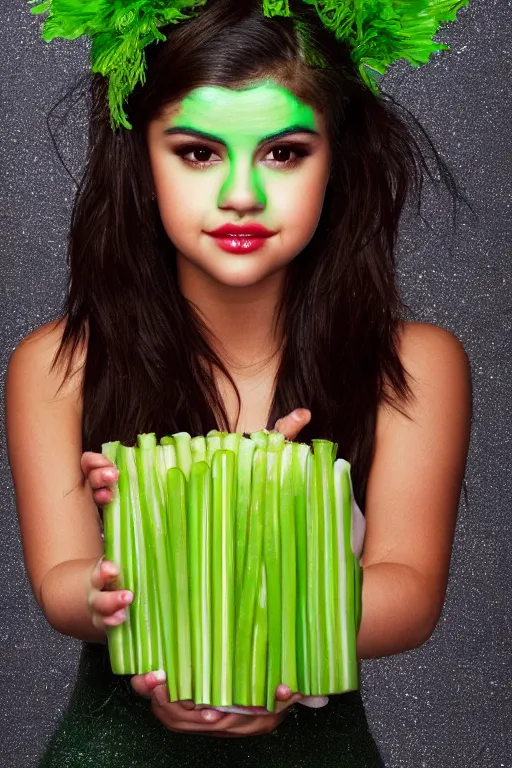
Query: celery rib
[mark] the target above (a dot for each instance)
(250, 584)
(288, 571)
(300, 453)
(177, 526)
(272, 559)
(223, 576)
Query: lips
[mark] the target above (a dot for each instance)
(241, 238)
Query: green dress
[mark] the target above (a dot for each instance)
(108, 724)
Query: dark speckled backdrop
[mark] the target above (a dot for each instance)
(448, 704)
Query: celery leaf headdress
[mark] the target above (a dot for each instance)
(378, 32)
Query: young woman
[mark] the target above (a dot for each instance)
(232, 267)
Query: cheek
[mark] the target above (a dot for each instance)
(300, 205)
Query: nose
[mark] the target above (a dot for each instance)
(242, 190)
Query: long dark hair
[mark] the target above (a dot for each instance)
(149, 362)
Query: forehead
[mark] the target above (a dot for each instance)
(256, 111)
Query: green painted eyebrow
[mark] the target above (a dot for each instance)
(210, 137)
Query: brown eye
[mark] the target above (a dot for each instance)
(202, 154)
(282, 154)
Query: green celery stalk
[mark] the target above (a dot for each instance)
(230, 441)
(259, 650)
(288, 571)
(213, 444)
(183, 452)
(315, 644)
(142, 606)
(243, 693)
(118, 549)
(177, 527)
(223, 577)
(165, 459)
(348, 674)
(272, 558)
(260, 438)
(198, 448)
(322, 458)
(246, 453)
(155, 543)
(199, 542)
(300, 454)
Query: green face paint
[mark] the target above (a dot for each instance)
(242, 120)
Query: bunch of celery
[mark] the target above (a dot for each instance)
(238, 553)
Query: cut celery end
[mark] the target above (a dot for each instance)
(260, 438)
(213, 444)
(198, 448)
(183, 452)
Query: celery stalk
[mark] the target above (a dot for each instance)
(183, 452)
(313, 581)
(213, 444)
(260, 438)
(250, 582)
(325, 509)
(348, 659)
(230, 441)
(272, 557)
(117, 537)
(199, 541)
(165, 459)
(143, 604)
(223, 577)
(155, 543)
(299, 465)
(246, 453)
(259, 648)
(198, 448)
(177, 527)
(288, 571)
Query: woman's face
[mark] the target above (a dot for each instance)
(240, 178)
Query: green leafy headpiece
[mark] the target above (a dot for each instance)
(378, 33)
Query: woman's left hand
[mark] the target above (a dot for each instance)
(206, 721)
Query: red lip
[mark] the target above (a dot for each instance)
(241, 231)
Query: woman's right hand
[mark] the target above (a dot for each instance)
(106, 604)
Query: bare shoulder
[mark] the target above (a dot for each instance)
(436, 365)
(425, 346)
(32, 364)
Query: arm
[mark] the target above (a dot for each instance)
(59, 522)
(413, 494)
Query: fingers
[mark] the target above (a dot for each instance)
(282, 706)
(101, 474)
(145, 684)
(293, 423)
(108, 608)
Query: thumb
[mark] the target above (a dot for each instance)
(293, 423)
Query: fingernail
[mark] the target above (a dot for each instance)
(127, 597)
(209, 715)
(111, 474)
(298, 414)
(159, 676)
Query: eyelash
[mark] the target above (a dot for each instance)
(299, 150)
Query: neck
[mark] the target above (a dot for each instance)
(240, 319)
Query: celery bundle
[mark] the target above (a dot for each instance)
(238, 553)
